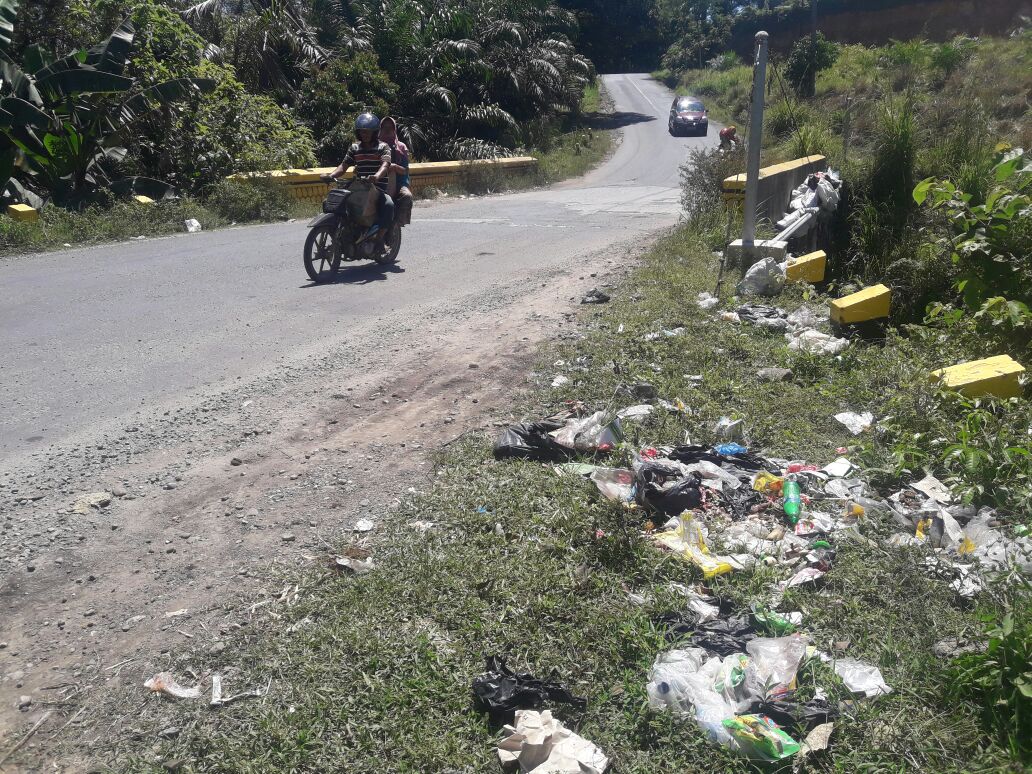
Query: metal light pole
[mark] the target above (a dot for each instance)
(754, 140)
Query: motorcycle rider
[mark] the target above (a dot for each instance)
(371, 158)
(399, 190)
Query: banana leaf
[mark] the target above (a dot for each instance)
(69, 83)
(8, 13)
(15, 111)
(36, 58)
(164, 93)
(112, 55)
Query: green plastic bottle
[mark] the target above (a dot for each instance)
(793, 502)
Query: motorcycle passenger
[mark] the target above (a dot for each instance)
(371, 158)
(400, 190)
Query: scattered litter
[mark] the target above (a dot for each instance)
(642, 391)
(839, 468)
(165, 683)
(218, 700)
(597, 432)
(764, 278)
(759, 737)
(539, 744)
(92, 501)
(364, 525)
(192, 226)
(499, 691)
(354, 559)
(595, 296)
(688, 540)
(814, 342)
(729, 429)
(635, 413)
(788, 713)
(730, 449)
(530, 441)
(177, 613)
(665, 333)
(560, 380)
(855, 423)
(615, 483)
(860, 678)
(932, 487)
(707, 300)
(764, 316)
(817, 740)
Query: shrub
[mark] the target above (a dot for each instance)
(241, 201)
(806, 60)
(811, 139)
(702, 177)
(330, 99)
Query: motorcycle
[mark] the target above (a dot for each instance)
(345, 231)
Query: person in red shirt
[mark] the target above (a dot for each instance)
(729, 137)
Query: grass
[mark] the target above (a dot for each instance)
(373, 673)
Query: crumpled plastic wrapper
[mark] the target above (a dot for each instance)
(539, 744)
(164, 682)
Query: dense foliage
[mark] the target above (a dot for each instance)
(284, 79)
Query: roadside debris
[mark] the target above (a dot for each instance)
(165, 683)
(539, 744)
(595, 296)
(855, 423)
(192, 225)
(91, 502)
(355, 560)
(861, 678)
(499, 691)
(218, 700)
(766, 277)
(707, 300)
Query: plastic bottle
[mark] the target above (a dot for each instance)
(793, 499)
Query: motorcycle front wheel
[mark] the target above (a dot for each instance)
(322, 253)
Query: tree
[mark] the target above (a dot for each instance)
(806, 60)
(64, 122)
(700, 29)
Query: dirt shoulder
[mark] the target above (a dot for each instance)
(200, 504)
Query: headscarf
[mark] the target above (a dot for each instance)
(389, 135)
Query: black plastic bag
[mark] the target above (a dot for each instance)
(654, 492)
(530, 441)
(500, 691)
(793, 715)
(722, 636)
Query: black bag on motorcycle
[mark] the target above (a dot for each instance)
(336, 202)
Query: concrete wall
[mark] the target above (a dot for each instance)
(776, 184)
(876, 22)
(305, 185)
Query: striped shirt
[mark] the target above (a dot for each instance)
(367, 160)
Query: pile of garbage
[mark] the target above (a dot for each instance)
(728, 508)
(819, 193)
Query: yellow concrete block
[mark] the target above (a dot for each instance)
(22, 212)
(869, 304)
(737, 182)
(807, 268)
(145, 200)
(992, 376)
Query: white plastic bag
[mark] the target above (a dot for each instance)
(861, 678)
(707, 300)
(774, 663)
(614, 483)
(764, 278)
(856, 423)
(589, 433)
(815, 342)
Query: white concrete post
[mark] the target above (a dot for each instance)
(755, 140)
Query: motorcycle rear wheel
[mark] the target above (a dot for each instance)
(393, 247)
(322, 253)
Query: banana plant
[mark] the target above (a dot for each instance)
(63, 121)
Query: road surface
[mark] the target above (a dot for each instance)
(234, 420)
(93, 334)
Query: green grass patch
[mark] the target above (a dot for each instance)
(373, 673)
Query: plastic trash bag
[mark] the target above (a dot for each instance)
(790, 714)
(615, 483)
(681, 681)
(828, 195)
(815, 342)
(499, 691)
(164, 682)
(855, 423)
(635, 413)
(667, 490)
(729, 429)
(689, 540)
(764, 278)
(803, 317)
(707, 300)
(596, 432)
(530, 441)
(860, 678)
(763, 316)
(540, 744)
(759, 737)
(723, 636)
(774, 662)
(713, 476)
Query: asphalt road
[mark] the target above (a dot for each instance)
(92, 335)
